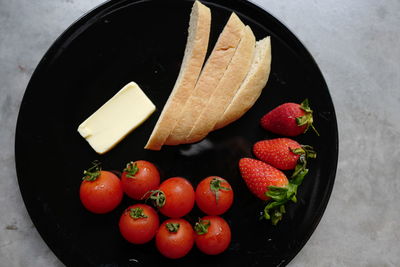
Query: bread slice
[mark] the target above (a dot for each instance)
(193, 59)
(252, 85)
(209, 78)
(226, 89)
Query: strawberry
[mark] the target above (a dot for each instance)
(283, 153)
(259, 176)
(289, 119)
(269, 183)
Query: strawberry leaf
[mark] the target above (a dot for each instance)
(305, 106)
(277, 193)
(306, 119)
(305, 153)
(277, 214)
(275, 208)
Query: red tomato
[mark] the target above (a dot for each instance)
(214, 195)
(174, 198)
(175, 238)
(138, 178)
(139, 223)
(100, 191)
(213, 235)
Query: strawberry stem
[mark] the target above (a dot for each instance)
(306, 119)
(275, 208)
(306, 152)
(93, 172)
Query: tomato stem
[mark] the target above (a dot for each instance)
(201, 227)
(131, 169)
(158, 198)
(215, 187)
(172, 227)
(137, 213)
(93, 172)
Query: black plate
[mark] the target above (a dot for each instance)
(143, 41)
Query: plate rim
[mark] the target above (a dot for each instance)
(76, 27)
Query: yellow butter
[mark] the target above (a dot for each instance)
(124, 112)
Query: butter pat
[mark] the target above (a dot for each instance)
(124, 112)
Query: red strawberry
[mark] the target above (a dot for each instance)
(278, 152)
(269, 183)
(259, 176)
(283, 153)
(289, 119)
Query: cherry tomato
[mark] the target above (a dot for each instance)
(175, 238)
(174, 198)
(138, 178)
(100, 191)
(139, 223)
(214, 195)
(213, 235)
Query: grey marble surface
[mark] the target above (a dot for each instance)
(357, 46)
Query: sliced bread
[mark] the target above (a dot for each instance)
(210, 76)
(252, 85)
(193, 59)
(226, 89)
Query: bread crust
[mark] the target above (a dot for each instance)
(209, 78)
(192, 63)
(226, 89)
(252, 86)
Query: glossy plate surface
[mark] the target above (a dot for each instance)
(143, 41)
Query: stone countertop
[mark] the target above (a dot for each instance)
(357, 46)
